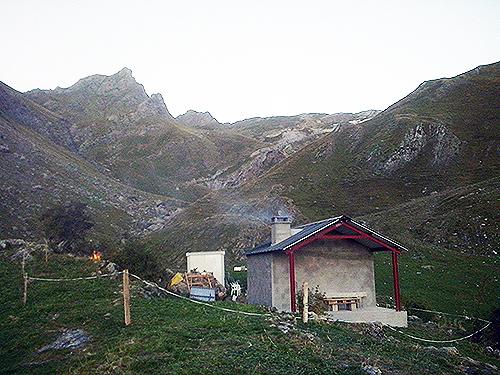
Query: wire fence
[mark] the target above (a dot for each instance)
(246, 313)
(198, 302)
(74, 278)
(438, 341)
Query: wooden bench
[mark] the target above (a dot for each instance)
(345, 301)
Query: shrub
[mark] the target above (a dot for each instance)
(66, 227)
(316, 303)
(138, 260)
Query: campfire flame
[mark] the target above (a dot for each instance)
(96, 256)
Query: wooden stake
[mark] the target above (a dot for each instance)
(126, 297)
(46, 250)
(305, 310)
(23, 262)
(25, 292)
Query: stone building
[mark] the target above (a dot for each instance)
(335, 255)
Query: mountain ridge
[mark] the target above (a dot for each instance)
(420, 151)
(438, 138)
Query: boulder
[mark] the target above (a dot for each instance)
(12, 243)
(414, 318)
(371, 370)
(375, 330)
(68, 339)
(449, 350)
(20, 254)
(108, 267)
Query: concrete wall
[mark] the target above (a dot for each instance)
(281, 281)
(259, 279)
(335, 266)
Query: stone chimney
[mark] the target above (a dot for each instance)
(280, 229)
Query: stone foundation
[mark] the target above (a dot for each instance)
(372, 314)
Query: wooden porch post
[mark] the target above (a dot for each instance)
(291, 270)
(395, 275)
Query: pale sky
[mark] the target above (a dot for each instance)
(240, 59)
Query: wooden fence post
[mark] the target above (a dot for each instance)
(25, 291)
(126, 297)
(46, 250)
(23, 262)
(305, 310)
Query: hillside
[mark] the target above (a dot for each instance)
(443, 135)
(424, 172)
(168, 335)
(38, 174)
(133, 135)
(112, 126)
(15, 107)
(279, 137)
(422, 148)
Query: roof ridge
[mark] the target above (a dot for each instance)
(321, 221)
(311, 229)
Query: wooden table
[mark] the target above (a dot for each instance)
(352, 300)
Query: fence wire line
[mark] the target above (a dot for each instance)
(450, 314)
(195, 301)
(75, 278)
(261, 315)
(438, 341)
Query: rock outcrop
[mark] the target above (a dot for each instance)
(198, 120)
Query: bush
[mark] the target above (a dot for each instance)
(134, 257)
(490, 336)
(66, 227)
(316, 303)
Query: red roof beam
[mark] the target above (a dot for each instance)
(341, 237)
(312, 238)
(371, 238)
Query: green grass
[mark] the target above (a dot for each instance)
(174, 336)
(456, 283)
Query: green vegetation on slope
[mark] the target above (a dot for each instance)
(441, 280)
(174, 336)
(117, 125)
(441, 136)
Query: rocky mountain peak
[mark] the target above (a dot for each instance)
(158, 99)
(125, 72)
(123, 80)
(198, 119)
(155, 106)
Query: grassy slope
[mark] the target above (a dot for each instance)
(172, 336)
(160, 156)
(62, 177)
(448, 217)
(463, 278)
(342, 171)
